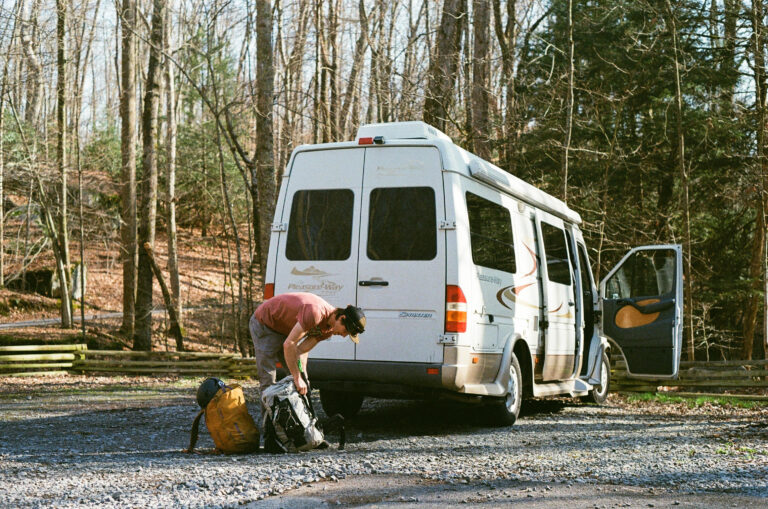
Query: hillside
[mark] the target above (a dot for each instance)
(206, 297)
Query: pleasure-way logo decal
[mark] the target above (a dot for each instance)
(309, 271)
(318, 285)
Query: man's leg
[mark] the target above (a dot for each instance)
(268, 349)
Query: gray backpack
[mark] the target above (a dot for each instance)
(290, 419)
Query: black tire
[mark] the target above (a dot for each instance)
(505, 411)
(599, 394)
(345, 403)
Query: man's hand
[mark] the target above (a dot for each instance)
(300, 385)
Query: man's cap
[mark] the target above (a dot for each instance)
(353, 319)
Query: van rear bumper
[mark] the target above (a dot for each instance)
(373, 378)
(461, 370)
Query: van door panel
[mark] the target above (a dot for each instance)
(560, 333)
(401, 283)
(642, 300)
(318, 252)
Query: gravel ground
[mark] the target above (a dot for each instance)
(85, 441)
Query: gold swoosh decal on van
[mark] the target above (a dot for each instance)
(533, 257)
(511, 293)
(566, 314)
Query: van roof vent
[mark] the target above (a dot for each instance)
(401, 131)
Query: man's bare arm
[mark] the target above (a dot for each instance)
(293, 348)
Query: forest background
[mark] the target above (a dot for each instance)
(648, 117)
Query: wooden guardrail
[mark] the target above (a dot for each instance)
(37, 360)
(28, 360)
(699, 377)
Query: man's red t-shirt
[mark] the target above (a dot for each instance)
(282, 312)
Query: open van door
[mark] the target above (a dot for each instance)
(642, 309)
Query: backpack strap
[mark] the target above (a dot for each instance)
(308, 396)
(194, 431)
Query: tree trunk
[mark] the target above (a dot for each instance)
(173, 264)
(175, 328)
(569, 107)
(263, 173)
(729, 63)
(443, 65)
(333, 71)
(481, 78)
(2, 178)
(35, 87)
(45, 203)
(61, 157)
(142, 339)
(325, 112)
(688, 306)
(756, 262)
(357, 63)
(241, 340)
(128, 228)
(3, 91)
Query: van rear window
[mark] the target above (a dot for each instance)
(490, 229)
(320, 227)
(402, 224)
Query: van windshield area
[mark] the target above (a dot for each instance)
(644, 274)
(320, 227)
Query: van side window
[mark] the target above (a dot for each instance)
(320, 227)
(558, 267)
(402, 224)
(490, 230)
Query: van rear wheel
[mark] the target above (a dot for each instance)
(599, 393)
(505, 411)
(337, 402)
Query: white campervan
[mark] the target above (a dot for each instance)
(474, 283)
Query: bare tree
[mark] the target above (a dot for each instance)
(263, 179)
(507, 39)
(142, 339)
(683, 183)
(3, 91)
(443, 66)
(481, 78)
(756, 262)
(170, 177)
(35, 88)
(2, 176)
(61, 157)
(128, 227)
(569, 107)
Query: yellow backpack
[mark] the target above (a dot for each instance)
(228, 421)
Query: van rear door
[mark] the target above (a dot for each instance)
(401, 268)
(642, 304)
(318, 241)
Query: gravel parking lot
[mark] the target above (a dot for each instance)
(86, 441)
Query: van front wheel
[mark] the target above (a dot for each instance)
(599, 393)
(337, 402)
(505, 411)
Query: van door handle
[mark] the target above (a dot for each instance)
(377, 282)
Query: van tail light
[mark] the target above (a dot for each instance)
(365, 141)
(269, 290)
(455, 309)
